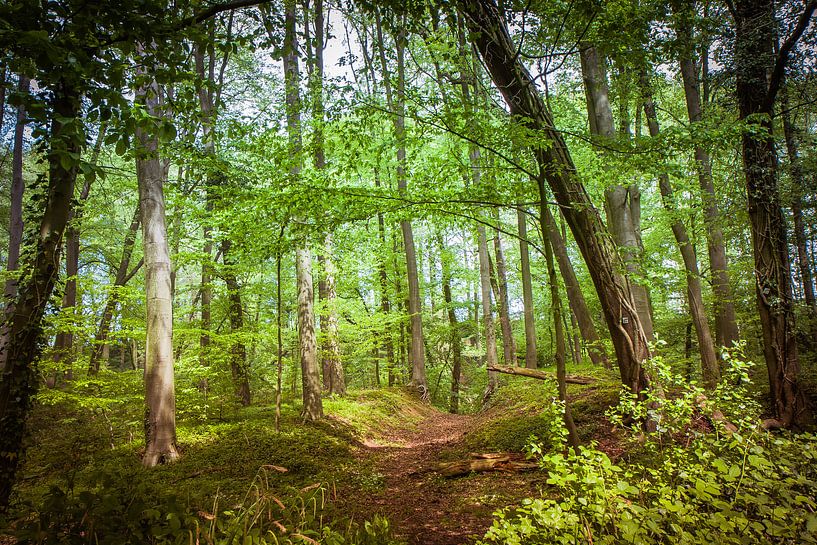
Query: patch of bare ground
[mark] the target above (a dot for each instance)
(423, 507)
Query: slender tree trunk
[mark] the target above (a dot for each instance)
(575, 297)
(22, 342)
(508, 341)
(456, 339)
(17, 190)
(385, 302)
(798, 182)
(561, 347)
(726, 328)
(160, 396)
(398, 106)
(710, 370)
(239, 366)
(122, 276)
(527, 291)
(491, 359)
(333, 375)
(491, 38)
(310, 373)
(754, 41)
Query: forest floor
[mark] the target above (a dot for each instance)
(424, 507)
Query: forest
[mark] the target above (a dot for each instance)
(408, 272)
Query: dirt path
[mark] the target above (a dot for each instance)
(425, 508)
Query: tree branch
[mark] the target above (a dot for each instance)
(783, 55)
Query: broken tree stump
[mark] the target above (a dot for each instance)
(541, 375)
(494, 461)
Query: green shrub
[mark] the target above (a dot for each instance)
(687, 487)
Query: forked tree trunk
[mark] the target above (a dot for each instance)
(527, 291)
(160, 394)
(726, 328)
(122, 276)
(754, 41)
(622, 203)
(491, 38)
(22, 343)
(710, 370)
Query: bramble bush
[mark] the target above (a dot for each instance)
(681, 485)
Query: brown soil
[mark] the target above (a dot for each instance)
(422, 507)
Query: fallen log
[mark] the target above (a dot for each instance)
(541, 375)
(506, 462)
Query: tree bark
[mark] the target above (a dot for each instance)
(160, 395)
(334, 378)
(491, 359)
(527, 292)
(710, 369)
(754, 41)
(491, 38)
(22, 343)
(239, 367)
(101, 337)
(17, 190)
(726, 328)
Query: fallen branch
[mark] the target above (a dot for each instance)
(506, 462)
(541, 375)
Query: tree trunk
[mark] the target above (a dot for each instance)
(561, 347)
(385, 302)
(491, 359)
(22, 342)
(122, 276)
(398, 106)
(239, 366)
(575, 297)
(726, 328)
(754, 41)
(160, 395)
(456, 339)
(310, 373)
(17, 190)
(710, 371)
(491, 38)
(508, 342)
(333, 375)
(527, 291)
(798, 182)
(622, 203)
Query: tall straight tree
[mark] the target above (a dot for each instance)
(17, 189)
(396, 101)
(759, 74)
(726, 328)
(160, 393)
(508, 341)
(456, 339)
(491, 38)
(710, 370)
(310, 373)
(527, 290)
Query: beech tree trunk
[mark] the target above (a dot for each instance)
(527, 292)
(239, 367)
(310, 373)
(334, 379)
(754, 45)
(622, 203)
(491, 359)
(22, 342)
(160, 395)
(710, 369)
(456, 339)
(122, 276)
(17, 190)
(508, 341)
(726, 328)
(491, 38)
